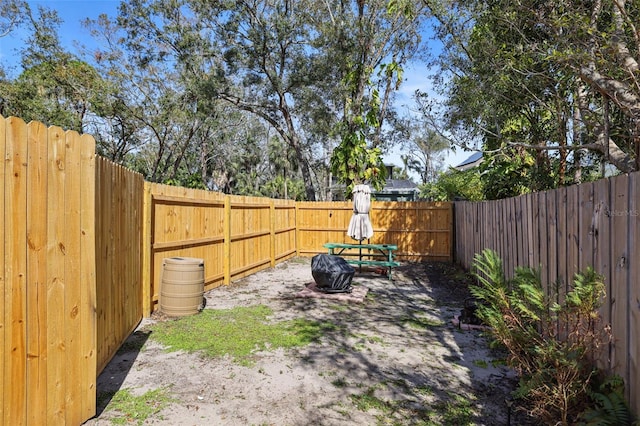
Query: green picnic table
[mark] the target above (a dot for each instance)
(365, 253)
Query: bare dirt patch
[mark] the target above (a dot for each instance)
(395, 358)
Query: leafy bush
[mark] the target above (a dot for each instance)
(552, 339)
(610, 407)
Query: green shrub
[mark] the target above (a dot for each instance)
(609, 406)
(552, 339)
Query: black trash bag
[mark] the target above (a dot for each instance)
(332, 273)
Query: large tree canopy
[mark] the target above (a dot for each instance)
(301, 67)
(550, 85)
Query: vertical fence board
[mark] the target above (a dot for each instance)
(534, 230)
(16, 271)
(511, 230)
(601, 246)
(561, 230)
(72, 299)
(620, 270)
(56, 228)
(585, 218)
(573, 232)
(543, 235)
(88, 334)
(633, 387)
(36, 215)
(4, 285)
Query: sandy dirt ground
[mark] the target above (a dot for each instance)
(417, 371)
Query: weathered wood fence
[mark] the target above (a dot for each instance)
(564, 231)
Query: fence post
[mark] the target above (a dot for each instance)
(226, 268)
(297, 231)
(272, 233)
(147, 254)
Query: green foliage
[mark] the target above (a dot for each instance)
(552, 339)
(454, 184)
(512, 172)
(610, 407)
(354, 162)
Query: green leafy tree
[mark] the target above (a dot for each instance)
(54, 86)
(557, 80)
(12, 15)
(454, 185)
(425, 153)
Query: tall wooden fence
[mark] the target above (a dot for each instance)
(83, 245)
(421, 230)
(47, 275)
(564, 231)
(119, 256)
(234, 235)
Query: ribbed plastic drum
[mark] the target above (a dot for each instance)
(181, 286)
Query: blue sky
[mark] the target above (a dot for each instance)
(71, 33)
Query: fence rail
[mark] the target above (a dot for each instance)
(234, 235)
(562, 232)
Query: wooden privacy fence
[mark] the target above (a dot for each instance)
(118, 228)
(83, 244)
(234, 235)
(564, 231)
(47, 275)
(421, 230)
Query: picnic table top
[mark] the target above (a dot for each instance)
(365, 246)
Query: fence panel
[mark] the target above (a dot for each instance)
(183, 222)
(118, 224)
(47, 275)
(235, 235)
(250, 239)
(284, 230)
(564, 231)
(421, 230)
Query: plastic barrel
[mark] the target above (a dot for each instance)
(182, 286)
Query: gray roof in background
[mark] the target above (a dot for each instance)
(472, 159)
(398, 185)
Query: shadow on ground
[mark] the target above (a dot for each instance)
(400, 353)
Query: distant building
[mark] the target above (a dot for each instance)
(472, 161)
(394, 189)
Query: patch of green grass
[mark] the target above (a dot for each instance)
(424, 390)
(368, 401)
(137, 409)
(238, 332)
(339, 383)
(457, 411)
(499, 362)
(421, 323)
(480, 363)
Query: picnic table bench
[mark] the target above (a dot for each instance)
(367, 254)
